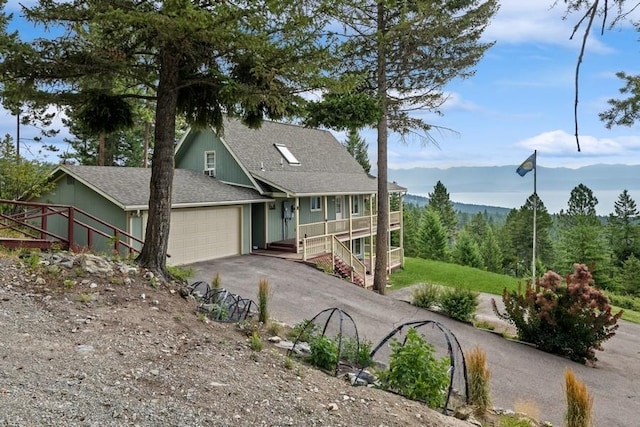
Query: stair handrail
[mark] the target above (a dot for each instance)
(357, 266)
(71, 217)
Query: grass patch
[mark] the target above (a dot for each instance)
(628, 315)
(417, 270)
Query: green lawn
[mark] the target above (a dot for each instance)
(417, 270)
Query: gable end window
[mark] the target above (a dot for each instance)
(316, 204)
(210, 163)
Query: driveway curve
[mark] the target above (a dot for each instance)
(519, 372)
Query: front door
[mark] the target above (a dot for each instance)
(339, 207)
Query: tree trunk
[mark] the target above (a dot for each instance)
(154, 251)
(101, 144)
(382, 237)
(147, 135)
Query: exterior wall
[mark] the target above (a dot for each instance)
(192, 157)
(306, 215)
(68, 191)
(277, 228)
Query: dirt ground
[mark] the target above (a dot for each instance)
(93, 350)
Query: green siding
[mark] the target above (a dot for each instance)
(68, 191)
(191, 156)
(306, 216)
(277, 228)
(258, 225)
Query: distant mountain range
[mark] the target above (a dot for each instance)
(502, 186)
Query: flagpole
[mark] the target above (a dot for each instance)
(535, 208)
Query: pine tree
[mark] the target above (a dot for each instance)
(440, 202)
(624, 232)
(357, 147)
(630, 277)
(582, 239)
(491, 253)
(466, 251)
(433, 241)
(198, 59)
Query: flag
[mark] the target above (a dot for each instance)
(527, 166)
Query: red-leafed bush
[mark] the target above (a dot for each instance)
(571, 317)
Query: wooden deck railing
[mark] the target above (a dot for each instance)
(329, 244)
(359, 224)
(30, 219)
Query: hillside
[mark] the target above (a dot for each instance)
(88, 348)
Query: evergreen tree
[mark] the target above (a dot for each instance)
(199, 59)
(624, 233)
(433, 242)
(582, 239)
(411, 221)
(630, 277)
(357, 147)
(440, 202)
(466, 251)
(491, 253)
(406, 52)
(477, 228)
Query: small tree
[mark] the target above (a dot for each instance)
(415, 372)
(357, 147)
(631, 276)
(466, 252)
(432, 237)
(572, 319)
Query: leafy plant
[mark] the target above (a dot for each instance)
(459, 303)
(571, 319)
(180, 273)
(579, 401)
(69, 283)
(263, 301)
(303, 331)
(324, 352)
(513, 421)
(426, 295)
(479, 376)
(255, 342)
(84, 298)
(415, 372)
(357, 353)
(288, 363)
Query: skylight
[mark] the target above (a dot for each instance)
(288, 155)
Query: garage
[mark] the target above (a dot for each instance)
(199, 234)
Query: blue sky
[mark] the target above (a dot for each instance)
(520, 99)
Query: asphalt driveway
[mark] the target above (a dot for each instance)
(519, 372)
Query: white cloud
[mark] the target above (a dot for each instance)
(539, 21)
(559, 143)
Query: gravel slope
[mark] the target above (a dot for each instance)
(94, 351)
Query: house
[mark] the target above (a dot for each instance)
(281, 186)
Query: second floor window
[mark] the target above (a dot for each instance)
(355, 205)
(316, 204)
(210, 160)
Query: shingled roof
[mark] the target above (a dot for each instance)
(129, 187)
(325, 166)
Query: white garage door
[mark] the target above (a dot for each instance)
(201, 234)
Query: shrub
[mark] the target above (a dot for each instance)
(426, 295)
(459, 303)
(415, 372)
(303, 331)
(571, 319)
(625, 301)
(180, 273)
(324, 352)
(263, 301)
(357, 354)
(479, 376)
(579, 401)
(255, 342)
